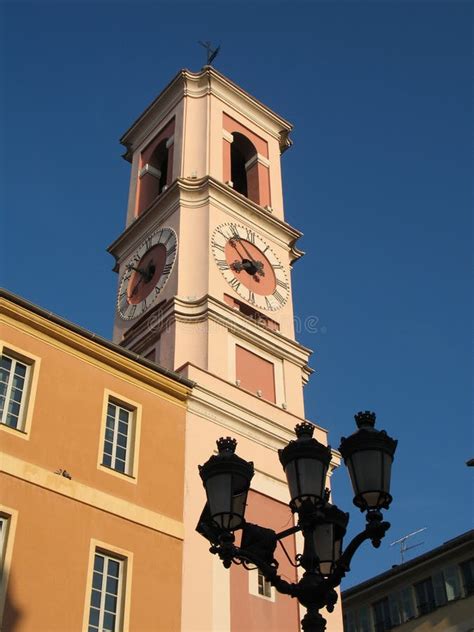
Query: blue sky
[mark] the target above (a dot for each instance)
(378, 179)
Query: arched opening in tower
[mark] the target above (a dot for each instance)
(242, 150)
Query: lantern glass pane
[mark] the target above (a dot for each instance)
(238, 510)
(367, 470)
(219, 496)
(311, 475)
(387, 471)
(324, 544)
(290, 471)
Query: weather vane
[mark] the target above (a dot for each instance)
(211, 53)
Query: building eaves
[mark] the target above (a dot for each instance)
(89, 335)
(410, 565)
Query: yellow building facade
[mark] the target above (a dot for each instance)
(92, 470)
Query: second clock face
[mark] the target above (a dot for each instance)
(250, 266)
(146, 273)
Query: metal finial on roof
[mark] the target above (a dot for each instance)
(211, 52)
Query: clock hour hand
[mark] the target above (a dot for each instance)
(254, 268)
(139, 270)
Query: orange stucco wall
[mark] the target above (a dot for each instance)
(251, 612)
(48, 580)
(56, 518)
(67, 416)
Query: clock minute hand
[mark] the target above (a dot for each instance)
(139, 270)
(258, 265)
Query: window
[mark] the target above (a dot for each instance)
(401, 604)
(117, 453)
(467, 571)
(242, 150)
(14, 378)
(105, 611)
(4, 524)
(349, 622)
(425, 599)
(447, 586)
(357, 620)
(382, 619)
(264, 586)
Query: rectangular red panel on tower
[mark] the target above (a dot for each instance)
(254, 374)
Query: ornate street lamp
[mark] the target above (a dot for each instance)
(368, 454)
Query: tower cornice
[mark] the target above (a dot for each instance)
(196, 193)
(196, 85)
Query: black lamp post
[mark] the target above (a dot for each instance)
(368, 454)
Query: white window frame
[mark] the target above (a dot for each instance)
(118, 595)
(9, 517)
(29, 389)
(133, 438)
(23, 403)
(126, 558)
(118, 410)
(254, 588)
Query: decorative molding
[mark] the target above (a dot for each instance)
(228, 136)
(94, 351)
(87, 495)
(196, 194)
(197, 85)
(151, 170)
(257, 158)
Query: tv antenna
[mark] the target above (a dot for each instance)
(211, 52)
(403, 543)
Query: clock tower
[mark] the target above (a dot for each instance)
(204, 268)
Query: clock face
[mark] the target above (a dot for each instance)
(250, 266)
(146, 273)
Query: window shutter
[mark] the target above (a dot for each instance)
(439, 589)
(452, 583)
(408, 607)
(394, 604)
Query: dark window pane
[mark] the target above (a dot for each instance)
(94, 616)
(6, 364)
(110, 603)
(122, 440)
(95, 599)
(121, 453)
(111, 410)
(107, 460)
(109, 622)
(119, 465)
(12, 421)
(112, 585)
(20, 370)
(110, 422)
(108, 447)
(123, 415)
(97, 581)
(113, 568)
(123, 428)
(18, 382)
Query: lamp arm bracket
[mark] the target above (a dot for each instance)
(229, 553)
(374, 531)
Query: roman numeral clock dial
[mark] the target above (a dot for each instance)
(146, 273)
(250, 266)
